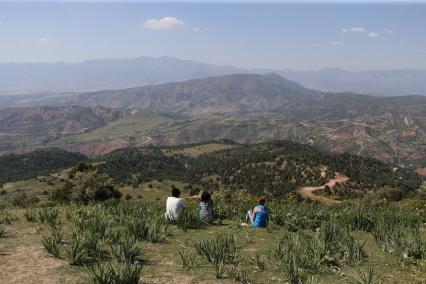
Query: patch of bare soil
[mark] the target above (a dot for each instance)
(421, 171)
(24, 260)
(96, 149)
(308, 191)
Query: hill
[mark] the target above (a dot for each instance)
(41, 162)
(23, 128)
(250, 109)
(92, 75)
(374, 82)
(245, 93)
(24, 78)
(272, 169)
(256, 108)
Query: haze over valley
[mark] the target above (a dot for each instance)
(212, 142)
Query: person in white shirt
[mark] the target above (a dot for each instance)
(174, 205)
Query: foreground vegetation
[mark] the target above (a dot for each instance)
(104, 222)
(130, 241)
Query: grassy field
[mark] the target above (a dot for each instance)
(350, 242)
(24, 260)
(134, 125)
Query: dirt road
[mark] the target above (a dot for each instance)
(308, 191)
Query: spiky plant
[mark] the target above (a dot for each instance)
(101, 273)
(127, 273)
(78, 253)
(53, 242)
(128, 250)
(157, 232)
(222, 248)
(188, 258)
(238, 273)
(3, 232)
(92, 246)
(30, 215)
(188, 219)
(368, 277)
(258, 262)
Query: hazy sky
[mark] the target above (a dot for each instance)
(296, 36)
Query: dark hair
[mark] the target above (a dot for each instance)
(175, 192)
(261, 201)
(205, 196)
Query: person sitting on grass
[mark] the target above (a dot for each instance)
(259, 216)
(174, 205)
(206, 207)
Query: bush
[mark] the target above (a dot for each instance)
(52, 243)
(62, 194)
(93, 186)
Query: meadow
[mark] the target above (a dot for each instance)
(131, 242)
(54, 229)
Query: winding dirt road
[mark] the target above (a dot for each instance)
(308, 191)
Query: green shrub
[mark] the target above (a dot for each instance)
(128, 250)
(189, 259)
(221, 249)
(3, 232)
(53, 242)
(121, 274)
(30, 215)
(188, 219)
(93, 185)
(78, 253)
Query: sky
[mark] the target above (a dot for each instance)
(305, 36)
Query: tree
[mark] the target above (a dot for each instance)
(93, 185)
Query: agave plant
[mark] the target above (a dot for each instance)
(30, 215)
(189, 259)
(3, 232)
(121, 274)
(127, 250)
(221, 249)
(53, 242)
(78, 253)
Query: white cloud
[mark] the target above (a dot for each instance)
(336, 43)
(46, 41)
(357, 29)
(373, 34)
(198, 29)
(344, 30)
(164, 23)
(389, 32)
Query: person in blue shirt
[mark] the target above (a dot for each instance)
(259, 216)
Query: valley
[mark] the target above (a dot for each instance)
(242, 108)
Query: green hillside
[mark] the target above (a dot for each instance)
(273, 169)
(40, 162)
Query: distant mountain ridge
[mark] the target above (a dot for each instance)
(92, 75)
(239, 93)
(246, 108)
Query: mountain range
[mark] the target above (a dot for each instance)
(27, 78)
(246, 108)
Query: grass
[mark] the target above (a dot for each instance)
(323, 250)
(134, 125)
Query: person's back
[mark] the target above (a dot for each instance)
(174, 205)
(261, 216)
